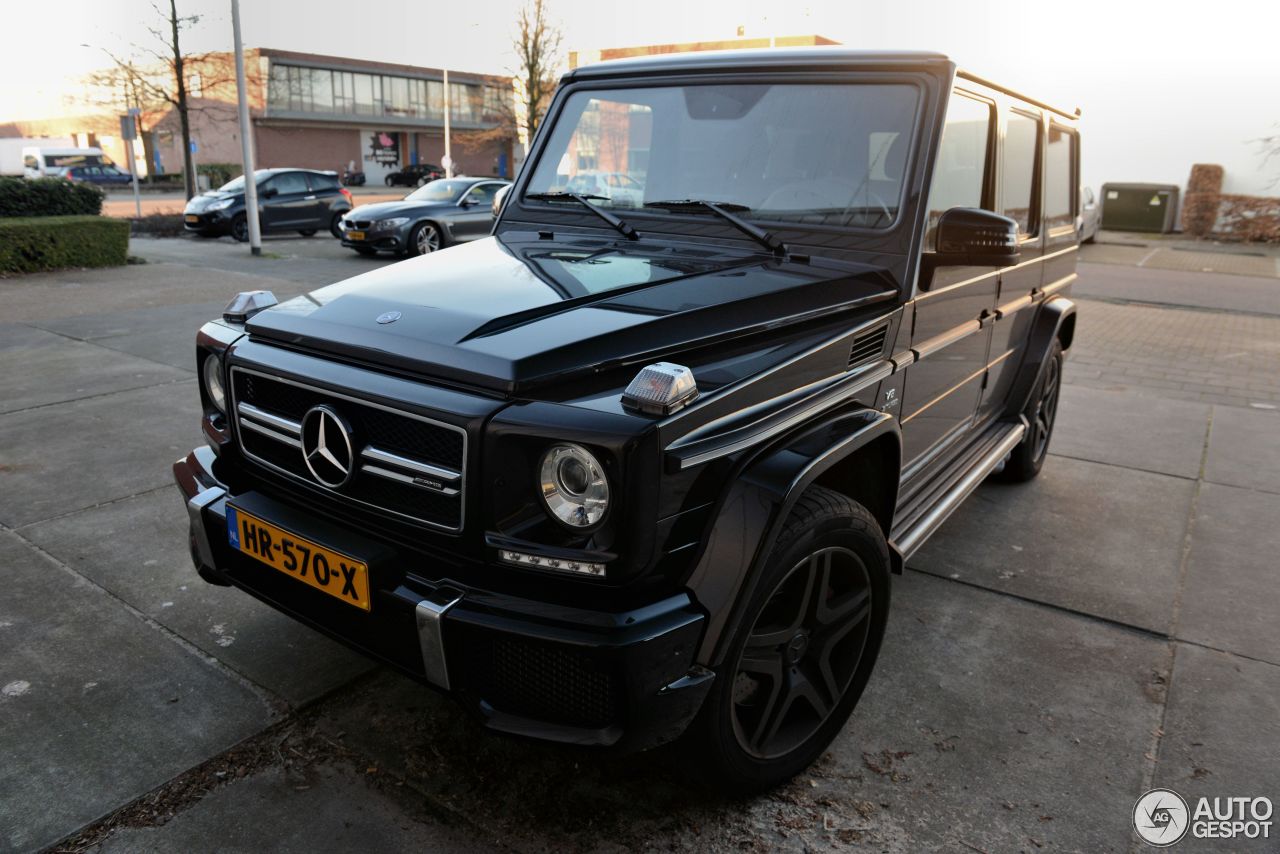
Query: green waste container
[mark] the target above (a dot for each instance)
(1152, 208)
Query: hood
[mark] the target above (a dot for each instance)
(383, 210)
(513, 312)
(202, 201)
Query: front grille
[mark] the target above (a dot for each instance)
(405, 464)
(358, 223)
(540, 680)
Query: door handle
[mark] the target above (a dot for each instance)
(986, 317)
(308, 198)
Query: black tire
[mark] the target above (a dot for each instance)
(1028, 456)
(335, 226)
(390, 181)
(307, 232)
(826, 589)
(240, 228)
(424, 239)
(367, 251)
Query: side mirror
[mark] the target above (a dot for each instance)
(270, 192)
(974, 237)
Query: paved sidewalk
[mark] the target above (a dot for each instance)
(1037, 677)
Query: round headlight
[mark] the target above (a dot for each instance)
(213, 382)
(574, 487)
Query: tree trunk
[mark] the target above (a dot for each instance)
(180, 79)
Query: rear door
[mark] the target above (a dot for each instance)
(325, 195)
(952, 309)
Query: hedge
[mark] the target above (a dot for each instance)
(48, 197)
(32, 244)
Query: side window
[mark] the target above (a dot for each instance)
(289, 182)
(322, 182)
(482, 194)
(960, 172)
(29, 161)
(1021, 145)
(1059, 178)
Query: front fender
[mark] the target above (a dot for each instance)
(755, 505)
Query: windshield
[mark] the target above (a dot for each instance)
(817, 153)
(443, 190)
(236, 185)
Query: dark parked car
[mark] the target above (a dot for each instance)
(301, 200)
(414, 176)
(444, 212)
(617, 477)
(107, 176)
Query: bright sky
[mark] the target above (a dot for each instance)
(1162, 84)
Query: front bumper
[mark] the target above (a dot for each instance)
(626, 680)
(207, 223)
(396, 240)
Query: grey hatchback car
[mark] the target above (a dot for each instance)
(436, 215)
(301, 200)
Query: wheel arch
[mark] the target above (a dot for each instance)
(1055, 321)
(834, 452)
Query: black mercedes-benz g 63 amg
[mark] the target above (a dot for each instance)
(630, 470)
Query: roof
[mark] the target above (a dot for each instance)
(799, 57)
(818, 57)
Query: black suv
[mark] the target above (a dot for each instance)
(301, 200)
(613, 477)
(414, 176)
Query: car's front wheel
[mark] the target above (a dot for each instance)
(425, 239)
(240, 228)
(335, 226)
(390, 182)
(804, 651)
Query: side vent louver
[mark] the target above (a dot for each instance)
(867, 347)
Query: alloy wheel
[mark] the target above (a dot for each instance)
(802, 653)
(428, 239)
(1046, 409)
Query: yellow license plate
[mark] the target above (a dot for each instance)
(342, 577)
(355, 235)
(192, 218)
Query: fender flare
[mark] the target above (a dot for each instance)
(1056, 319)
(756, 503)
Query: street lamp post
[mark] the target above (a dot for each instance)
(246, 138)
(448, 108)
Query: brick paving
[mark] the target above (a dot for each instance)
(1228, 358)
(1161, 253)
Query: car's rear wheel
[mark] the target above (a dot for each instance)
(425, 239)
(389, 181)
(803, 653)
(1028, 457)
(335, 226)
(240, 228)
(307, 232)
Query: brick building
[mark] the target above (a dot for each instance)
(319, 112)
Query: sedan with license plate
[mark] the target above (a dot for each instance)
(440, 214)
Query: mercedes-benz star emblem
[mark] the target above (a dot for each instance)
(389, 317)
(326, 447)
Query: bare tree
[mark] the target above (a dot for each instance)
(537, 45)
(165, 85)
(1269, 147)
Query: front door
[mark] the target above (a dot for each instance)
(953, 307)
(476, 219)
(288, 206)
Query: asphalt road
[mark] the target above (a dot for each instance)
(1058, 648)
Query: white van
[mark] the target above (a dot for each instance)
(42, 162)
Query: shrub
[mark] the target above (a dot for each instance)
(159, 225)
(31, 244)
(48, 197)
(219, 173)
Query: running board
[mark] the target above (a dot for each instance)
(908, 541)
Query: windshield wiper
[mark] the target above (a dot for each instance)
(722, 209)
(584, 199)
